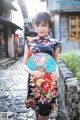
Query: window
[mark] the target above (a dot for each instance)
(74, 27)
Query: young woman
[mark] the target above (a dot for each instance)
(45, 44)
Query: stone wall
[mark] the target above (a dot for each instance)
(70, 89)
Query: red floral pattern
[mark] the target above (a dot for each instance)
(45, 88)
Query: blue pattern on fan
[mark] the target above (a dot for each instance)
(42, 60)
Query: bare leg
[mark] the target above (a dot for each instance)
(36, 116)
(42, 117)
(39, 117)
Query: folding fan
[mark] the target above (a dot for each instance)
(43, 60)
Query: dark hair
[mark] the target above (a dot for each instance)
(43, 16)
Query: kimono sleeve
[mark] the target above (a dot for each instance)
(57, 45)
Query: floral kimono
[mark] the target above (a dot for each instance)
(42, 92)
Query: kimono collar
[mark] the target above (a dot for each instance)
(47, 37)
(40, 39)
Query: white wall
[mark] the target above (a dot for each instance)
(11, 49)
(52, 5)
(17, 17)
(35, 6)
(57, 26)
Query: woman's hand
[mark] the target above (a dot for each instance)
(37, 73)
(54, 75)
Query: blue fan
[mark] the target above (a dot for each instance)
(43, 60)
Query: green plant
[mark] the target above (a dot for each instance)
(72, 60)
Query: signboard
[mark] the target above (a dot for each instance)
(76, 2)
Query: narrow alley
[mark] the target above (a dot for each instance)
(13, 90)
(18, 20)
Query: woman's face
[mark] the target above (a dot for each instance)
(42, 29)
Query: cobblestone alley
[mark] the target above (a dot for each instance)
(13, 89)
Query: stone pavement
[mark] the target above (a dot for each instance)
(13, 90)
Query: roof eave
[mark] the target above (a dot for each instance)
(9, 23)
(64, 11)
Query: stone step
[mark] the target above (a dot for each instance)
(6, 64)
(4, 60)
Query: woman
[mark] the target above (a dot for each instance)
(45, 44)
